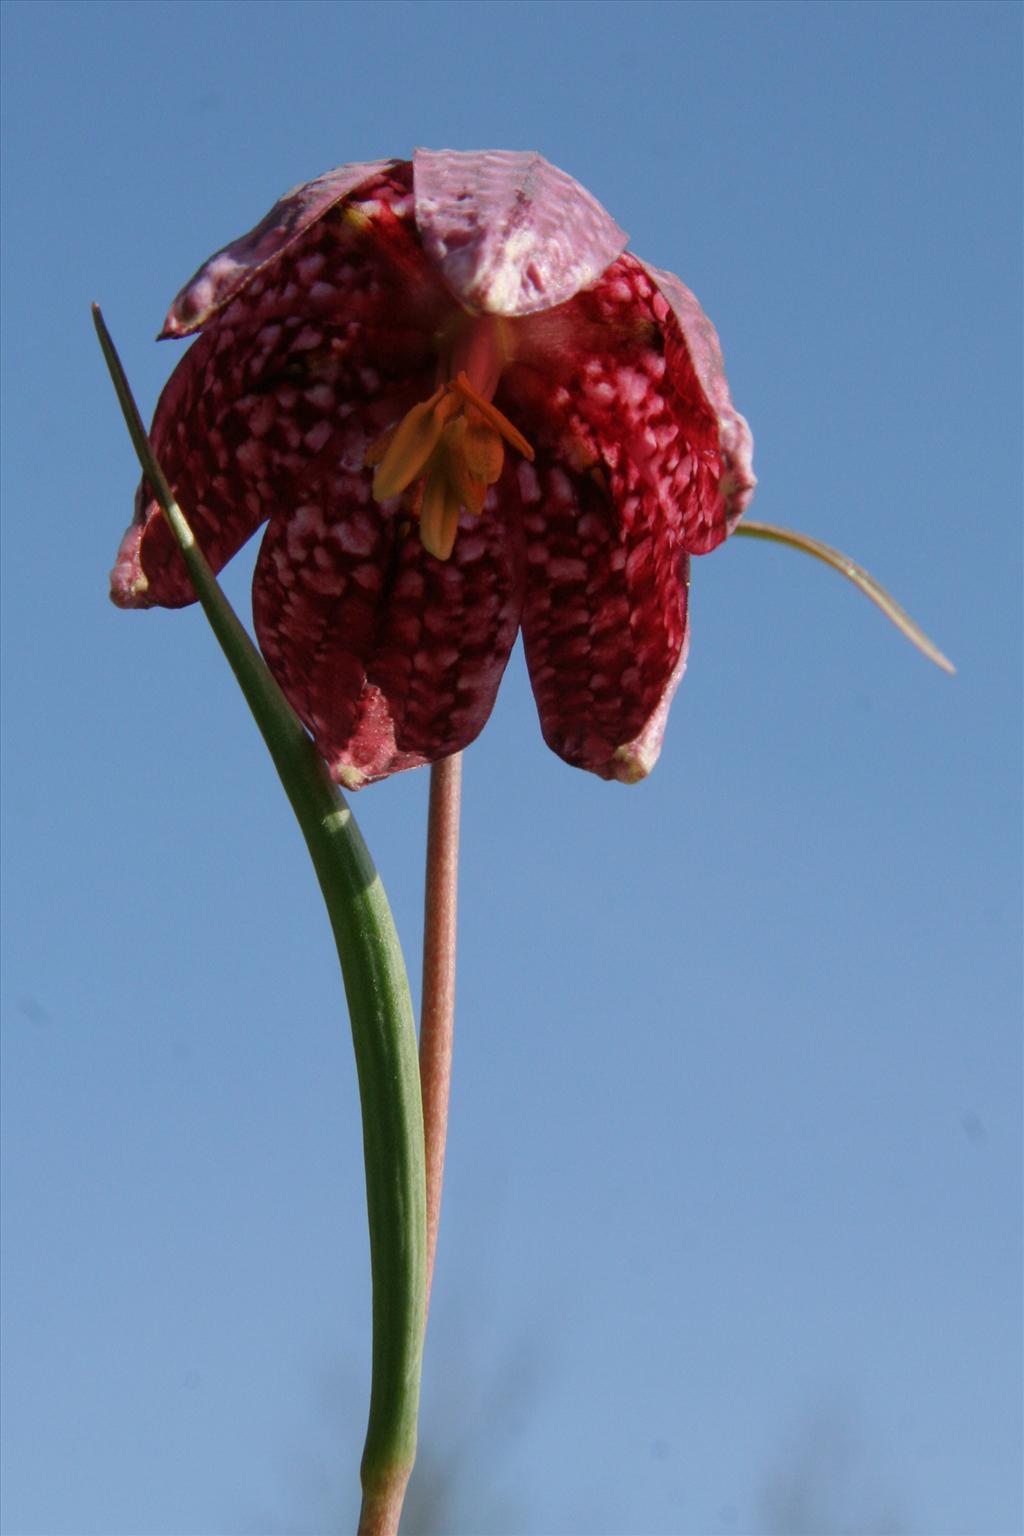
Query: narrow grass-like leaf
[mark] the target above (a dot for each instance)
(380, 1010)
(861, 579)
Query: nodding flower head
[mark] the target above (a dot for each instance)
(462, 408)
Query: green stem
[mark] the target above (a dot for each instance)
(380, 1009)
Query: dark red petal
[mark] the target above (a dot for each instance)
(607, 379)
(223, 277)
(605, 615)
(390, 657)
(197, 431)
(510, 233)
(692, 346)
(346, 316)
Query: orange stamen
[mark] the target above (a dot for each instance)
(449, 448)
(408, 453)
(439, 515)
(498, 421)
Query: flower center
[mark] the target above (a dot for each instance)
(449, 448)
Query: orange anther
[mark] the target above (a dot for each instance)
(498, 421)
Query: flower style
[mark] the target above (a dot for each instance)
(461, 407)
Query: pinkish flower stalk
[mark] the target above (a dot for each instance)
(437, 1012)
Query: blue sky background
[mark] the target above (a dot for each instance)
(732, 1234)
